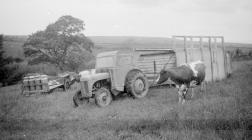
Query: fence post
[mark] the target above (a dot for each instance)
(216, 57)
(191, 49)
(201, 49)
(211, 57)
(224, 54)
(185, 48)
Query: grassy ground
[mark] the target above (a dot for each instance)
(223, 112)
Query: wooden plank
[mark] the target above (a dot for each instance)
(192, 57)
(211, 57)
(152, 77)
(149, 75)
(156, 57)
(158, 63)
(185, 49)
(139, 63)
(151, 68)
(216, 58)
(149, 53)
(173, 42)
(157, 60)
(154, 54)
(155, 67)
(151, 49)
(225, 58)
(178, 36)
(148, 71)
(151, 65)
(201, 49)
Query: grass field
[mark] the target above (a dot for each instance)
(223, 112)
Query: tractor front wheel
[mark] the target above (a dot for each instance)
(78, 99)
(103, 97)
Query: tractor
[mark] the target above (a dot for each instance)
(118, 72)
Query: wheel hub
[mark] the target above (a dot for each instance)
(139, 85)
(103, 97)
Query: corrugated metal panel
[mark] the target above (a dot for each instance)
(147, 60)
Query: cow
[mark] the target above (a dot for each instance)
(184, 76)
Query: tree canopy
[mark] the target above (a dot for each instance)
(62, 43)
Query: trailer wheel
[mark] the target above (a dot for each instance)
(66, 84)
(103, 97)
(78, 99)
(137, 84)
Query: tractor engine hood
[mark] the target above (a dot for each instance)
(91, 75)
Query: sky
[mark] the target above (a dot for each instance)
(152, 18)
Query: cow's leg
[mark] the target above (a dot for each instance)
(192, 85)
(179, 95)
(182, 93)
(203, 87)
(192, 93)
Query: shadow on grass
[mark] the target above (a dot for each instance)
(122, 96)
(224, 128)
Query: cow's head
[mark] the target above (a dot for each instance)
(162, 77)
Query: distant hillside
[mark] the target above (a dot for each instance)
(13, 44)
(105, 43)
(233, 46)
(148, 42)
(130, 42)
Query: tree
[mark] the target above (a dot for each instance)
(62, 43)
(9, 70)
(1, 42)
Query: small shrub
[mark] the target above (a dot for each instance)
(13, 73)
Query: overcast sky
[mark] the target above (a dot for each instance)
(157, 18)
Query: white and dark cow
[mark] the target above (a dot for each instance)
(184, 76)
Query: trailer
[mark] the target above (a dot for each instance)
(41, 83)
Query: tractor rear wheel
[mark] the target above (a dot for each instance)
(137, 84)
(103, 97)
